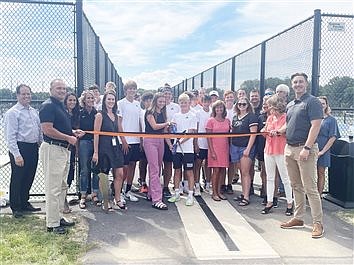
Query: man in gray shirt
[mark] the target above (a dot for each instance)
(23, 136)
(304, 116)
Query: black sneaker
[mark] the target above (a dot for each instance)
(60, 230)
(275, 202)
(166, 193)
(223, 189)
(251, 190)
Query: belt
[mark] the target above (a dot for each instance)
(65, 145)
(296, 145)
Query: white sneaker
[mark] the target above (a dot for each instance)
(122, 199)
(129, 195)
(197, 191)
(134, 188)
(189, 201)
(181, 188)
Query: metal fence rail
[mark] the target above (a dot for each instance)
(321, 46)
(63, 44)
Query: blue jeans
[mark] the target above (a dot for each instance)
(85, 157)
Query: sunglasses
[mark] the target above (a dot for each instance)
(242, 104)
(269, 94)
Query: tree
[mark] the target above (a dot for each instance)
(339, 91)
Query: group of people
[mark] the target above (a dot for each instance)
(291, 141)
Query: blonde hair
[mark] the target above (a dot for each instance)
(228, 92)
(83, 97)
(277, 103)
(130, 84)
(110, 86)
(184, 97)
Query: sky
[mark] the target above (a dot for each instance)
(153, 42)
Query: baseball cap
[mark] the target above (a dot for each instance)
(214, 93)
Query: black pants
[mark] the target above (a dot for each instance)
(22, 177)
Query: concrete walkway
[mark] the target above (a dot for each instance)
(185, 235)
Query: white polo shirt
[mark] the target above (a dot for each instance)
(130, 114)
(172, 109)
(202, 117)
(185, 122)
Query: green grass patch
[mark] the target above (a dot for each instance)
(26, 241)
(346, 215)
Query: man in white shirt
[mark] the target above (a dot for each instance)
(23, 135)
(171, 109)
(129, 121)
(201, 147)
(185, 120)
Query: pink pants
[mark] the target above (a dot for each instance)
(154, 149)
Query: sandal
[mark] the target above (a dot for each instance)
(216, 198)
(95, 200)
(244, 202)
(109, 208)
(66, 211)
(239, 198)
(159, 206)
(82, 203)
(289, 211)
(119, 205)
(222, 197)
(266, 209)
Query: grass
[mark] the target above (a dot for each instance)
(346, 215)
(25, 241)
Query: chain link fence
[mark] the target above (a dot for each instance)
(321, 46)
(58, 47)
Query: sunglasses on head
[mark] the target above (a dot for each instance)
(242, 104)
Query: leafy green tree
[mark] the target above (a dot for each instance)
(339, 91)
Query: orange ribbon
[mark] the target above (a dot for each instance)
(174, 135)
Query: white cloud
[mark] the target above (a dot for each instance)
(135, 34)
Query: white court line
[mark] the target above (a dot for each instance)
(207, 243)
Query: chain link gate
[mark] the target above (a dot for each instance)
(40, 41)
(321, 45)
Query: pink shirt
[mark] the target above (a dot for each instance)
(275, 145)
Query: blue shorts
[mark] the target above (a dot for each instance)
(236, 153)
(187, 160)
(133, 155)
(203, 154)
(167, 155)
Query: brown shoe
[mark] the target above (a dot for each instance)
(292, 223)
(317, 230)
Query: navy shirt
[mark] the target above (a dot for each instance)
(159, 118)
(243, 126)
(52, 110)
(87, 120)
(299, 114)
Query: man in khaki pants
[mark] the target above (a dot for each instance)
(55, 154)
(304, 116)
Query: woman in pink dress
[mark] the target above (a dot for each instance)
(218, 154)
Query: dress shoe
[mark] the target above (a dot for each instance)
(317, 231)
(30, 208)
(293, 223)
(63, 222)
(17, 214)
(57, 230)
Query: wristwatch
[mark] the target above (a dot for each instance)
(307, 148)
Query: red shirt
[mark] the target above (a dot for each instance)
(275, 144)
